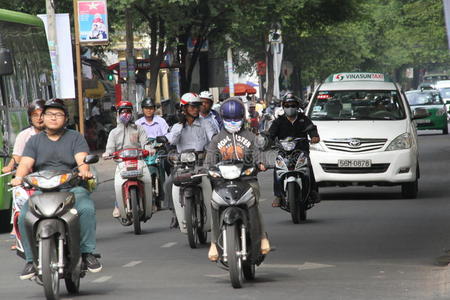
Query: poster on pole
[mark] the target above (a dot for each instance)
(93, 22)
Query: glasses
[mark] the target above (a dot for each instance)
(54, 115)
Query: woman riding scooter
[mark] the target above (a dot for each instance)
(234, 142)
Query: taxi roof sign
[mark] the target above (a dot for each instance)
(357, 76)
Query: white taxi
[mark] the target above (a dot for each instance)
(368, 136)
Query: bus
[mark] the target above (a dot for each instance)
(23, 45)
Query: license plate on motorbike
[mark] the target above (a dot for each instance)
(354, 163)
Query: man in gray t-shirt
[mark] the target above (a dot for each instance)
(58, 148)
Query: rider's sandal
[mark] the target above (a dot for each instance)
(276, 202)
(265, 246)
(213, 255)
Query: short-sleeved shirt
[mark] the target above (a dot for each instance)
(158, 126)
(55, 155)
(21, 140)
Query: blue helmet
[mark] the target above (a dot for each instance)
(232, 109)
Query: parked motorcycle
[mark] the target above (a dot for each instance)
(133, 186)
(292, 170)
(191, 196)
(53, 230)
(239, 244)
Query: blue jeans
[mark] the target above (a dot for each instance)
(86, 210)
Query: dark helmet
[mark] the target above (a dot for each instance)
(147, 102)
(233, 109)
(36, 104)
(124, 105)
(56, 103)
(289, 98)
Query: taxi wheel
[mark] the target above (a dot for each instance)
(445, 130)
(410, 189)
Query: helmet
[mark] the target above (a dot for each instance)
(190, 99)
(36, 104)
(147, 102)
(232, 108)
(206, 95)
(124, 105)
(289, 98)
(56, 103)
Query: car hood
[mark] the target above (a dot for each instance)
(361, 129)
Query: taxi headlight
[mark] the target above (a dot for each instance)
(316, 147)
(403, 141)
(440, 112)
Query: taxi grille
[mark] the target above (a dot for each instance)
(355, 145)
(375, 168)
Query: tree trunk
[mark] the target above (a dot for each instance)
(131, 79)
(270, 75)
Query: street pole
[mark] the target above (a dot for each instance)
(53, 43)
(131, 80)
(230, 71)
(78, 63)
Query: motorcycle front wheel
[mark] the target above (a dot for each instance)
(233, 243)
(296, 205)
(193, 216)
(50, 276)
(135, 210)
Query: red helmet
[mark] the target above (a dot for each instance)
(123, 105)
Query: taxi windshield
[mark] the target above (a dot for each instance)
(357, 105)
(423, 98)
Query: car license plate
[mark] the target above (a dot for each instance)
(423, 121)
(354, 163)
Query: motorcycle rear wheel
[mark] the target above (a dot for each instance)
(192, 221)
(249, 270)
(50, 276)
(234, 259)
(135, 211)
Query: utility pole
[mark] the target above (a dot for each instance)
(52, 43)
(78, 63)
(131, 66)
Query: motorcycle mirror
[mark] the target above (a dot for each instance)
(4, 154)
(91, 159)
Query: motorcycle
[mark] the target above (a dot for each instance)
(154, 164)
(292, 170)
(239, 244)
(133, 186)
(53, 230)
(191, 196)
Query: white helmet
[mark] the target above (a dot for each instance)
(191, 99)
(206, 95)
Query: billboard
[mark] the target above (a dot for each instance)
(93, 22)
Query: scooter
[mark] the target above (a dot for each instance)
(53, 230)
(154, 164)
(239, 244)
(292, 170)
(191, 196)
(133, 187)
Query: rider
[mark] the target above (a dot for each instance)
(293, 124)
(36, 125)
(207, 113)
(58, 148)
(154, 125)
(125, 135)
(191, 132)
(235, 142)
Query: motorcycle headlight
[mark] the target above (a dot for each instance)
(230, 172)
(403, 141)
(288, 146)
(280, 164)
(248, 172)
(187, 157)
(214, 174)
(302, 161)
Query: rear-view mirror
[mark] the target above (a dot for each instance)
(6, 64)
(91, 159)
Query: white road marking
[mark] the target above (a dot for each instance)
(217, 275)
(262, 199)
(168, 245)
(132, 263)
(102, 279)
(305, 266)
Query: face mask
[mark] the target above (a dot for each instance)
(290, 111)
(232, 126)
(125, 118)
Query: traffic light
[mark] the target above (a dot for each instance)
(110, 77)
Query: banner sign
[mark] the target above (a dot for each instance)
(93, 22)
(447, 19)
